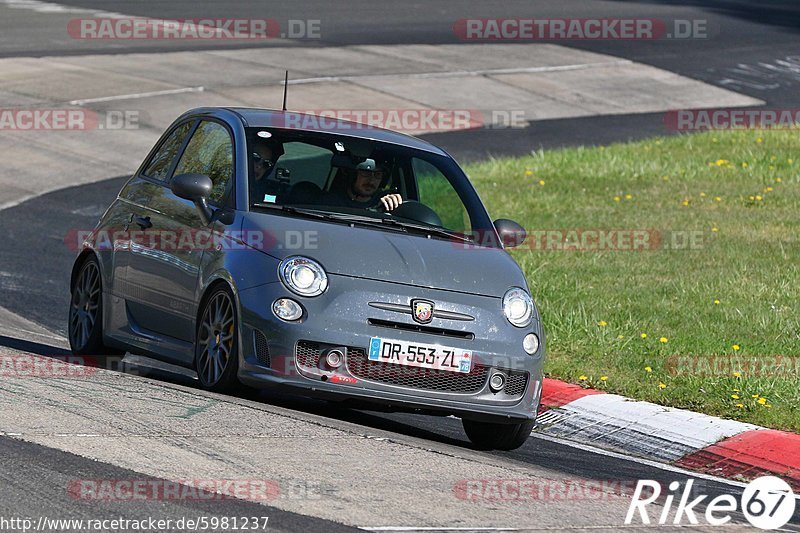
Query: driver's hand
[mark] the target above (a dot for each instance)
(391, 201)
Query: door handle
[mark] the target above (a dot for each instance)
(143, 222)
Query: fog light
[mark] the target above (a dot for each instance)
(530, 343)
(287, 309)
(497, 382)
(334, 358)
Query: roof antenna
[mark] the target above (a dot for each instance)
(285, 89)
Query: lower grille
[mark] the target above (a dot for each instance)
(261, 348)
(416, 378)
(307, 354)
(516, 383)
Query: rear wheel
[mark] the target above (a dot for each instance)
(85, 326)
(216, 349)
(493, 436)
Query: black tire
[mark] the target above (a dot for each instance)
(85, 321)
(494, 436)
(216, 346)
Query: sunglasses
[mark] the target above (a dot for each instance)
(258, 160)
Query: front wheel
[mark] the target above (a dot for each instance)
(493, 436)
(85, 325)
(216, 349)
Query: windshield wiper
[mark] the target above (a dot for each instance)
(431, 230)
(293, 210)
(343, 218)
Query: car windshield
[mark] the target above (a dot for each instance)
(361, 180)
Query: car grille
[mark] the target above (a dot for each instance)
(416, 378)
(516, 383)
(308, 354)
(261, 348)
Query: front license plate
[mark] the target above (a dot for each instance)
(420, 355)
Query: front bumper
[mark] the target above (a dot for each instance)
(291, 355)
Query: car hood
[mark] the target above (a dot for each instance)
(388, 255)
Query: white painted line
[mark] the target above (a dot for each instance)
(135, 96)
(638, 460)
(461, 73)
(50, 7)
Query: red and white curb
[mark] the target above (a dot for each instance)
(694, 441)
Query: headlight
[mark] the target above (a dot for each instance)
(518, 307)
(303, 276)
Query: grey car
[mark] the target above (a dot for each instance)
(324, 257)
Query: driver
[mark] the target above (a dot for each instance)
(363, 189)
(264, 156)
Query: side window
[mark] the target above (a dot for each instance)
(210, 152)
(162, 160)
(436, 192)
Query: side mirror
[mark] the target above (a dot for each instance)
(197, 189)
(511, 233)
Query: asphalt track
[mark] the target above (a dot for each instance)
(748, 54)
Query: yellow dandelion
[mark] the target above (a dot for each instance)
(736, 347)
(529, 172)
(737, 374)
(620, 336)
(735, 396)
(758, 198)
(790, 161)
(702, 195)
(744, 164)
(771, 167)
(716, 302)
(721, 162)
(759, 140)
(602, 323)
(754, 396)
(752, 198)
(643, 335)
(541, 182)
(778, 180)
(685, 202)
(628, 196)
(603, 378)
(665, 178)
(616, 198)
(662, 386)
(648, 369)
(768, 189)
(663, 340)
(583, 378)
(762, 401)
(717, 198)
(740, 405)
(715, 229)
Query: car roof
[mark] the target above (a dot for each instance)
(273, 119)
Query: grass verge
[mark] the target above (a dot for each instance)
(706, 314)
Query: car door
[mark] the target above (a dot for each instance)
(165, 261)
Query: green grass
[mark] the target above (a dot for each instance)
(596, 304)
